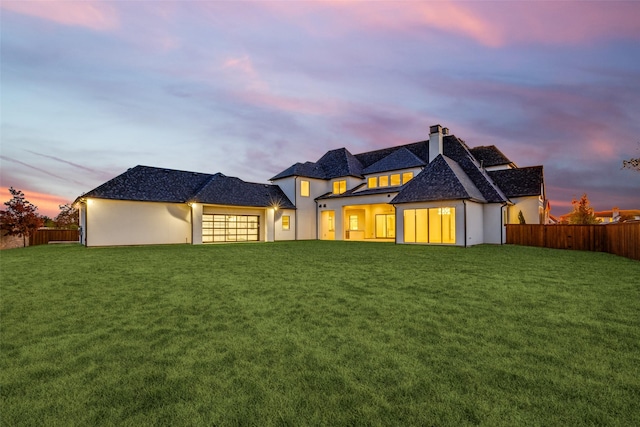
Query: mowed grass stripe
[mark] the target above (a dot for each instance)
(318, 333)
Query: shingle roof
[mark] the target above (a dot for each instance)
(457, 150)
(419, 149)
(442, 179)
(340, 162)
(489, 155)
(401, 158)
(519, 182)
(150, 184)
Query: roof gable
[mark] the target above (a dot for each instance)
(340, 162)
(401, 158)
(442, 179)
(457, 150)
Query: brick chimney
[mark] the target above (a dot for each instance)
(435, 142)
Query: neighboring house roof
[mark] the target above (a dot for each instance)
(489, 155)
(519, 182)
(401, 158)
(150, 184)
(442, 179)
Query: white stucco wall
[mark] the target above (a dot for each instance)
(306, 215)
(118, 222)
(475, 223)
(494, 230)
(280, 233)
(530, 207)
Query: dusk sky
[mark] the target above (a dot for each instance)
(91, 88)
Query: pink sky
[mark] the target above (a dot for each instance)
(92, 88)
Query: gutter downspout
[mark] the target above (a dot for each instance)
(295, 202)
(502, 224)
(317, 236)
(464, 202)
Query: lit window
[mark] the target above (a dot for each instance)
(406, 177)
(353, 222)
(304, 188)
(384, 181)
(339, 187)
(373, 182)
(285, 222)
(437, 225)
(395, 179)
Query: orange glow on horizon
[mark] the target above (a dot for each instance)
(48, 204)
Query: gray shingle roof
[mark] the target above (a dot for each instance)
(457, 150)
(519, 182)
(401, 158)
(150, 184)
(489, 155)
(442, 179)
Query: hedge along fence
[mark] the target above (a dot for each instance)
(45, 235)
(619, 239)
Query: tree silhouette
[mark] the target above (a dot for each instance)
(582, 212)
(20, 218)
(68, 217)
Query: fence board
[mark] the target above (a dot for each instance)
(45, 235)
(619, 239)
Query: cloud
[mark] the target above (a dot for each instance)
(43, 171)
(95, 15)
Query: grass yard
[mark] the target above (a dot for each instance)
(318, 333)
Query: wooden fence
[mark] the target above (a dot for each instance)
(46, 235)
(619, 239)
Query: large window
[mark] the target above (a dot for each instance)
(385, 226)
(434, 225)
(339, 187)
(230, 228)
(304, 188)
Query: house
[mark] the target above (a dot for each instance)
(436, 191)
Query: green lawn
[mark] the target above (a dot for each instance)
(318, 333)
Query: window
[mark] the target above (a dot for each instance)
(406, 177)
(285, 222)
(395, 180)
(373, 182)
(304, 188)
(435, 225)
(339, 187)
(230, 228)
(384, 181)
(385, 226)
(353, 222)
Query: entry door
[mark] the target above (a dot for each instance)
(385, 226)
(328, 231)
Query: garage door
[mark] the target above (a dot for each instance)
(230, 228)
